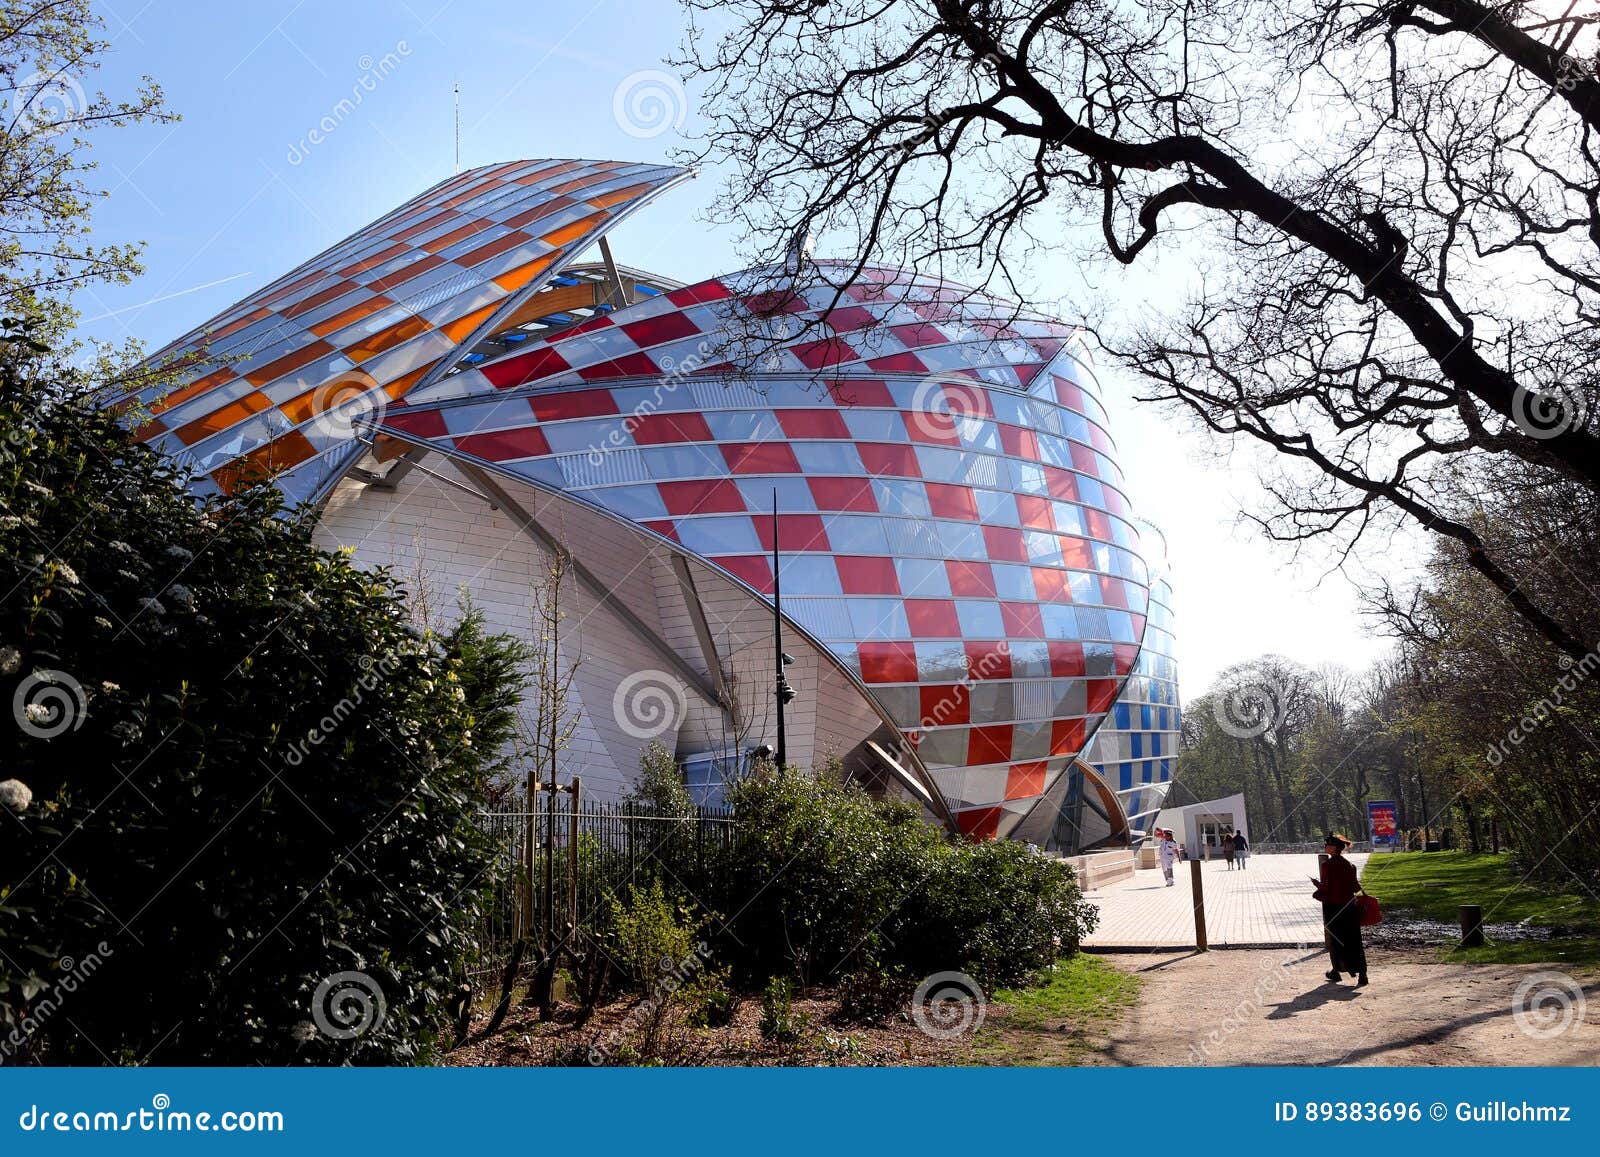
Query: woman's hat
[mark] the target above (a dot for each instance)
(1337, 840)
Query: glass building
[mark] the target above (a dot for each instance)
(965, 594)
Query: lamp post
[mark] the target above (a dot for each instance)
(782, 691)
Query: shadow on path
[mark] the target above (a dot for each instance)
(1325, 993)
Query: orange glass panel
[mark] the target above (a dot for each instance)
(294, 286)
(288, 363)
(236, 326)
(264, 462)
(594, 177)
(218, 420)
(458, 329)
(517, 278)
(424, 225)
(400, 386)
(400, 277)
(322, 297)
(445, 240)
(387, 449)
(569, 233)
(384, 339)
(193, 389)
(542, 175)
(354, 314)
(606, 200)
(375, 260)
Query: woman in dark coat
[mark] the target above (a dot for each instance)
(1341, 918)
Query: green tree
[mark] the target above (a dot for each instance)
(49, 50)
(660, 790)
(253, 781)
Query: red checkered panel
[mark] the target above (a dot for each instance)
(274, 386)
(952, 525)
(887, 323)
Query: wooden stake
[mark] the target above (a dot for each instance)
(1198, 891)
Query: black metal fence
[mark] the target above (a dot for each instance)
(562, 870)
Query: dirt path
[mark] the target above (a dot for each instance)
(1273, 1007)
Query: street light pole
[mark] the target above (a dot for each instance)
(781, 690)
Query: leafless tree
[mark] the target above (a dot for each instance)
(1397, 203)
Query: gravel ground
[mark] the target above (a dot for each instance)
(1274, 1007)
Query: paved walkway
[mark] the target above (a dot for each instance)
(1267, 904)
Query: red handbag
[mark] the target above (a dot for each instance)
(1371, 913)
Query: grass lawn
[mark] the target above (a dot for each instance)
(1060, 1020)
(1433, 885)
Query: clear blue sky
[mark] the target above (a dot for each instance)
(237, 195)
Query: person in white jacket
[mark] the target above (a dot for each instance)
(1167, 851)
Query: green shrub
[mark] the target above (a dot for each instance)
(711, 999)
(827, 882)
(779, 1021)
(259, 777)
(872, 995)
(654, 935)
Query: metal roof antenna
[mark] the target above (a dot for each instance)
(458, 125)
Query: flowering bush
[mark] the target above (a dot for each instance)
(245, 772)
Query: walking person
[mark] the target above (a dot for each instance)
(1241, 850)
(1227, 849)
(1341, 917)
(1167, 851)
